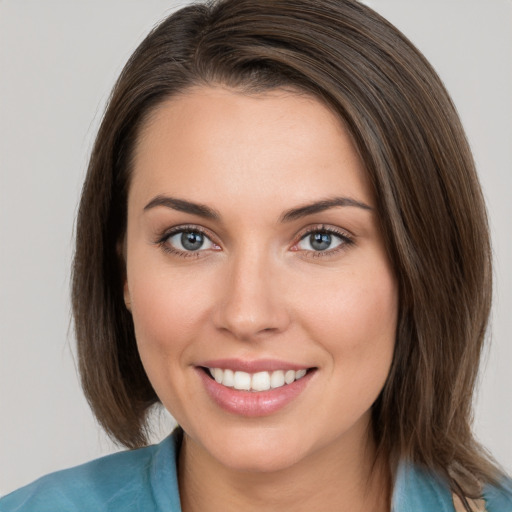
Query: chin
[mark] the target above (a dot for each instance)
(260, 450)
(259, 461)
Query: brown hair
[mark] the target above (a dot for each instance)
(428, 196)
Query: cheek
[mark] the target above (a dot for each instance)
(167, 308)
(355, 318)
(168, 311)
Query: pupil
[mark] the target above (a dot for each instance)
(320, 241)
(192, 241)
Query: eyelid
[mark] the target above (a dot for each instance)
(346, 237)
(163, 237)
(168, 232)
(327, 228)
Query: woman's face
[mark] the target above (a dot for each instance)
(254, 253)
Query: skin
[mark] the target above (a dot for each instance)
(259, 291)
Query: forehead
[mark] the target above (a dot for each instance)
(217, 139)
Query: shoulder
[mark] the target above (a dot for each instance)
(130, 480)
(499, 498)
(417, 489)
(423, 491)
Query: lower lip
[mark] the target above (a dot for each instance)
(253, 404)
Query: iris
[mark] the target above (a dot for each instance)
(320, 241)
(192, 240)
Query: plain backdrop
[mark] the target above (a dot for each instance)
(58, 62)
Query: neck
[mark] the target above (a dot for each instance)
(336, 478)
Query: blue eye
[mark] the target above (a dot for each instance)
(321, 241)
(189, 240)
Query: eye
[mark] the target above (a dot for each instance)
(188, 240)
(322, 240)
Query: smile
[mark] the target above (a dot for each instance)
(256, 382)
(257, 388)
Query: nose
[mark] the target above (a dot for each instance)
(252, 303)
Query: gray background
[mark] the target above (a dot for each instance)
(58, 61)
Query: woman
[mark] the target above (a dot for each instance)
(282, 239)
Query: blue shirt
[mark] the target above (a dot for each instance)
(145, 480)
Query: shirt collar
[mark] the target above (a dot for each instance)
(419, 490)
(415, 489)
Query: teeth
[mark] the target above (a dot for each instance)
(261, 381)
(218, 375)
(289, 376)
(242, 381)
(228, 378)
(277, 379)
(299, 374)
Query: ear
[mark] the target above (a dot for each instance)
(121, 256)
(127, 298)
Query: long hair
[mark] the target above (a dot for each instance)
(410, 138)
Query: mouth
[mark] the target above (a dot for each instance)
(255, 382)
(255, 388)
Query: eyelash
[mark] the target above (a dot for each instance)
(164, 238)
(346, 241)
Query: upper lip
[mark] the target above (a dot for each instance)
(254, 366)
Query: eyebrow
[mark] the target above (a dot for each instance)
(321, 206)
(183, 206)
(293, 214)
